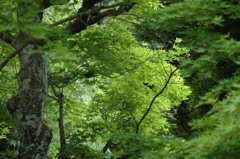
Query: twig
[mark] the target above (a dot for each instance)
(128, 21)
(12, 55)
(53, 97)
(82, 13)
(55, 92)
(154, 98)
(128, 70)
(134, 119)
(95, 9)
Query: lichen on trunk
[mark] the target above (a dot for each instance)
(27, 106)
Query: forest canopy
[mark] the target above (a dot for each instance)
(108, 79)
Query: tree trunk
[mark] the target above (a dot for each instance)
(61, 127)
(27, 105)
(59, 97)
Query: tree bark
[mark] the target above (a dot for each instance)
(61, 127)
(59, 97)
(27, 105)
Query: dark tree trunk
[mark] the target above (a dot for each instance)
(59, 97)
(27, 105)
(61, 127)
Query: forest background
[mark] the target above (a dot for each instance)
(119, 79)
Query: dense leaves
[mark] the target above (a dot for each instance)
(126, 79)
(213, 42)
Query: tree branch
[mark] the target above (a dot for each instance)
(107, 146)
(53, 97)
(55, 92)
(72, 17)
(78, 25)
(12, 55)
(134, 119)
(128, 70)
(6, 37)
(87, 4)
(154, 98)
(82, 23)
(45, 4)
(86, 12)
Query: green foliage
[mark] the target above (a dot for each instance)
(80, 145)
(140, 146)
(4, 129)
(123, 90)
(208, 31)
(8, 87)
(105, 48)
(109, 78)
(123, 98)
(219, 137)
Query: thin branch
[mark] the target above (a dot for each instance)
(112, 6)
(12, 55)
(4, 63)
(128, 70)
(107, 146)
(55, 92)
(154, 98)
(53, 97)
(5, 36)
(94, 9)
(134, 119)
(135, 15)
(71, 81)
(71, 17)
(128, 22)
(46, 4)
(77, 26)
